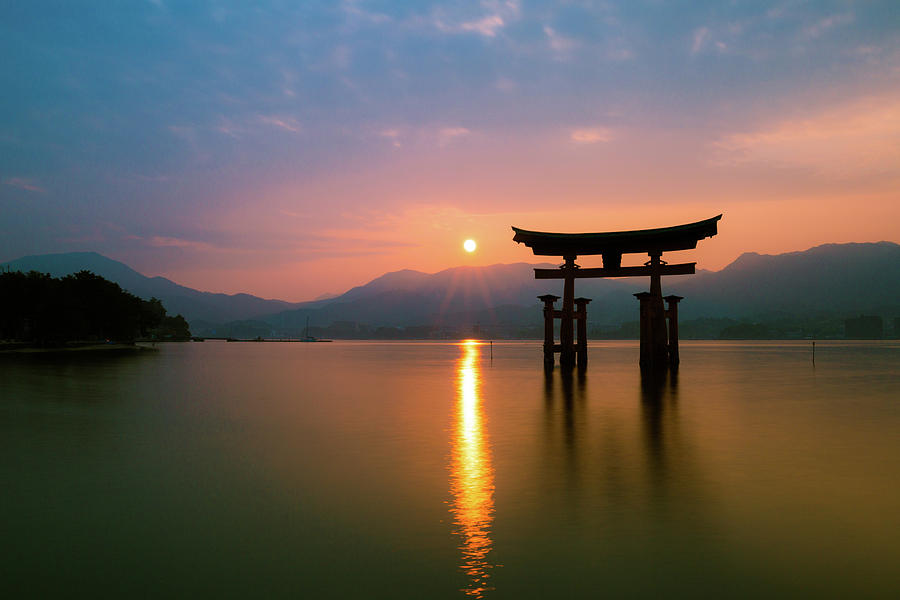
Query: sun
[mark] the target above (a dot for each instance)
(469, 245)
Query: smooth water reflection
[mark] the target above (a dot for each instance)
(413, 470)
(471, 474)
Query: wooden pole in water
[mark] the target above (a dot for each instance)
(646, 340)
(672, 313)
(581, 316)
(548, 300)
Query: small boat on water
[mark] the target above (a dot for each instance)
(308, 338)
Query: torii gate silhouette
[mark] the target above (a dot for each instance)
(659, 344)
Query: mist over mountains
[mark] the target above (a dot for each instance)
(832, 280)
(845, 278)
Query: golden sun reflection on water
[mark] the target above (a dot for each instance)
(471, 474)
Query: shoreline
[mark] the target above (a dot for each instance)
(92, 347)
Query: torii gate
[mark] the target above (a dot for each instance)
(659, 345)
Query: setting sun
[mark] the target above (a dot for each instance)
(469, 245)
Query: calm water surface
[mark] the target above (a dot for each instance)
(431, 470)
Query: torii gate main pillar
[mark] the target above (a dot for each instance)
(567, 321)
(654, 335)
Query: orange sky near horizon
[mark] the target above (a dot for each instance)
(436, 240)
(291, 150)
(480, 188)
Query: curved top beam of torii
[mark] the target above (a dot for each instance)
(611, 243)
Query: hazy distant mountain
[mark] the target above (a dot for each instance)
(177, 299)
(837, 279)
(834, 278)
(452, 297)
(326, 296)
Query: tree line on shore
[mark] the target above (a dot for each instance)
(43, 310)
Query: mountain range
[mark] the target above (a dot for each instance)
(840, 280)
(178, 299)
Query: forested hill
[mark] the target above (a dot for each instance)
(191, 303)
(44, 310)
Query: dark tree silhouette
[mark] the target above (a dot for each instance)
(40, 309)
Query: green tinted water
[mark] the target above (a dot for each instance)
(428, 470)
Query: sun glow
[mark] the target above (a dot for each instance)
(471, 475)
(469, 245)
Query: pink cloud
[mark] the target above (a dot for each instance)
(24, 184)
(857, 137)
(701, 36)
(448, 134)
(826, 24)
(561, 45)
(391, 134)
(281, 122)
(486, 26)
(170, 242)
(591, 135)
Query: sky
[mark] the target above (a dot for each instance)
(293, 149)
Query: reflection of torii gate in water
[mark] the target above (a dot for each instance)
(659, 344)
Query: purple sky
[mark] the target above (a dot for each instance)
(289, 149)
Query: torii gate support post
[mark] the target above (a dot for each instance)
(672, 314)
(548, 300)
(567, 325)
(581, 317)
(646, 323)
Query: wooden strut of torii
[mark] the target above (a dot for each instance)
(659, 343)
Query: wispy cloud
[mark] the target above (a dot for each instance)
(172, 242)
(423, 136)
(591, 135)
(229, 128)
(341, 56)
(448, 134)
(393, 135)
(790, 27)
(857, 137)
(281, 122)
(826, 24)
(618, 51)
(244, 125)
(497, 15)
(505, 84)
(184, 132)
(352, 9)
(561, 45)
(701, 35)
(29, 185)
(486, 26)
(703, 39)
